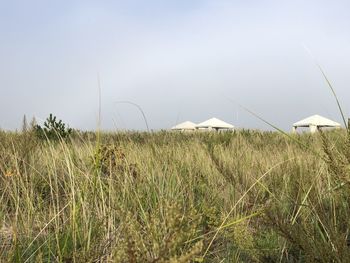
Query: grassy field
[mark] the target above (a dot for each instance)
(246, 196)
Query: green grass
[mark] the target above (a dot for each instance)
(247, 196)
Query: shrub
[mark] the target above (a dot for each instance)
(53, 129)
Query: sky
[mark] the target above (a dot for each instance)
(178, 60)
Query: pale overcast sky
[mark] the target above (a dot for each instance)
(179, 60)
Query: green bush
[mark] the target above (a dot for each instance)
(53, 129)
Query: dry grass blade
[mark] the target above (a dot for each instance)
(335, 96)
(48, 223)
(234, 222)
(283, 132)
(329, 85)
(139, 108)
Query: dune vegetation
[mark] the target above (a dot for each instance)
(246, 196)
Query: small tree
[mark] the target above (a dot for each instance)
(53, 129)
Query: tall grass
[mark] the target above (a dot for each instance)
(172, 197)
